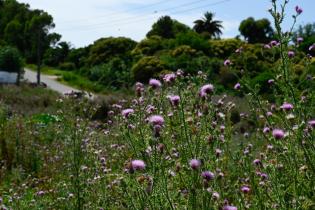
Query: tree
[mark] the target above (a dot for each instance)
(105, 49)
(208, 27)
(167, 28)
(40, 24)
(11, 61)
(256, 31)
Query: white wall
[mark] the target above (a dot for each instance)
(7, 77)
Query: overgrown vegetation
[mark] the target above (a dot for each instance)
(179, 143)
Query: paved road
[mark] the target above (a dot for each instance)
(50, 81)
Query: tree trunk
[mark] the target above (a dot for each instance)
(18, 77)
(38, 58)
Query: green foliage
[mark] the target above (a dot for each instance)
(148, 46)
(10, 59)
(224, 48)
(146, 68)
(114, 74)
(55, 56)
(256, 31)
(167, 28)
(67, 66)
(191, 39)
(78, 56)
(103, 50)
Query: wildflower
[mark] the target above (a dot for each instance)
(174, 100)
(127, 112)
(266, 130)
(207, 175)
(229, 208)
(278, 133)
(257, 162)
(311, 123)
(156, 120)
(299, 40)
(274, 43)
(205, 90)
(245, 189)
(298, 10)
(168, 78)
(286, 106)
(227, 62)
(137, 165)
(237, 86)
(267, 46)
(271, 81)
(291, 54)
(194, 164)
(215, 195)
(139, 88)
(157, 130)
(239, 50)
(154, 83)
(179, 72)
(40, 193)
(311, 47)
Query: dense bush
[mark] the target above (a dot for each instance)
(114, 74)
(148, 46)
(67, 66)
(10, 59)
(103, 50)
(146, 68)
(224, 48)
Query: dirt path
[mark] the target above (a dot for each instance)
(51, 82)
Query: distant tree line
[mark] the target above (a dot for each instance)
(169, 45)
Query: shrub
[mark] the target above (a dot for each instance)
(148, 46)
(224, 48)
(67, 66)
(115, 73)
(10, 59)
(147, 67)
(103, 50)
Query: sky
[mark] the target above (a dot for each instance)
(81, 22)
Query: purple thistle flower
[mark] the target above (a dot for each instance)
(205, 90)
(168, 78)
(154, 83)
(274, 43)
(137, 164)
(299, 40)
(298, 10)
(174, 100)
(237, 86)
(266, 130)
(311, 47)
(194, 164)
(156, 120)
(257, 162)
(229, 208)
(286, 106)
(267, 46)
(271, 81)
(311, 123)
(227, 62)
(207, 175)
(278, 133)
(127, 112)
(245, 189)
(291, 54)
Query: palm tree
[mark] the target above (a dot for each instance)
(209, 27)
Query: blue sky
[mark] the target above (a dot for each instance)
(82, 22)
